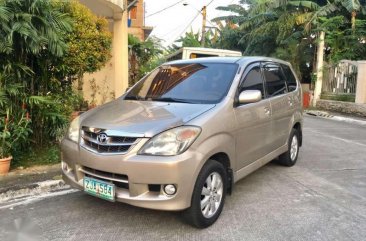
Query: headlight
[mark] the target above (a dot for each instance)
(74, 129)
(172, 142)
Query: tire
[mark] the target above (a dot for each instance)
(289, 158)
(214, 200)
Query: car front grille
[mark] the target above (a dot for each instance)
(120, 180)
(110, 144)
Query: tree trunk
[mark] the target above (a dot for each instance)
(204, 14)
(319, 68)
(353, 20)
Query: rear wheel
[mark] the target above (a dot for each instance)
(208, 195)
(289, 158)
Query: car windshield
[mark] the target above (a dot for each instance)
(186, 83)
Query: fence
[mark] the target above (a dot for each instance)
(340, 81)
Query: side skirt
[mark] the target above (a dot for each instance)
(245, 171)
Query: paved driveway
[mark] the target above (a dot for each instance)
(323, 197)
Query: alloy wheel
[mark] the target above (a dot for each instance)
(211, 195)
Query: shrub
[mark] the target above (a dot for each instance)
(44, 46)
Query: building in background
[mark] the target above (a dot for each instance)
(136, 20)
(124, 16)
(112, 80)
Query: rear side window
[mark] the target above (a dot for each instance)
(290, 78)
(253, 80)
(275, 80)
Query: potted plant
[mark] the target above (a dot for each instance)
(14, 122)
(12, 131)
(5, 147)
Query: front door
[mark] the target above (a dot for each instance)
(253, 121)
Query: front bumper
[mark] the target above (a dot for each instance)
(137, 174)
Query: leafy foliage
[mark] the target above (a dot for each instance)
(44, 155)
(288, 29)
(143, 57)
(14, 122)
(89, 43)
(190, 39)
(44, 46)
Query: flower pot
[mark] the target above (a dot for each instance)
(5, 165)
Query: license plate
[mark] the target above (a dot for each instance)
(99, 188)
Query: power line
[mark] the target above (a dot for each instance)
(172, 31)
(208, 20)
(185, 29)
(210, 3)
(190, 23)
(166, 8)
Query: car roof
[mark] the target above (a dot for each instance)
(227, 60)
(224, 60)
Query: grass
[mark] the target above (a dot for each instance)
(37, 156)
(339, 97)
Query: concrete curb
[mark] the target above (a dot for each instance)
(32, 189)
(31, 170)
(318, 113)
(335, 117)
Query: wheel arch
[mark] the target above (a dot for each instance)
(224, 160)
(297, 126)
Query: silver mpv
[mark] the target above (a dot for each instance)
(182, 136)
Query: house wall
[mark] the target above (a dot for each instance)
(139, 21)
(361, 83)
(112, 80)
(137, 24)
(99, 87)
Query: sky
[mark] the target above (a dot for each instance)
(175, 21)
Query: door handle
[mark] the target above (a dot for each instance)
(290, 101)
(267, 111)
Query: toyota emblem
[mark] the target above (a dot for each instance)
(102, 138)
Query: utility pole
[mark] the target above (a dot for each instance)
(319, 68)
(204, 15)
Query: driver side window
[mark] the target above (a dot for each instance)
(253, 80)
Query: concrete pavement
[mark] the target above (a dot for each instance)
(323, 197)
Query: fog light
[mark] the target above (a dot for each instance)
(65, 167)
(170, 189)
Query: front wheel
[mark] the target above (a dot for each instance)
(208, 195)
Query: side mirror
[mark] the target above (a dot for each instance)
(250, 96)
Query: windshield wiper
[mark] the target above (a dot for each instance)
(170, 99)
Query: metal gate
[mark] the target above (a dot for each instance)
(340, 79)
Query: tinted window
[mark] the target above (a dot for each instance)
(253, 80)
(191, 83)
(290, 78)
(275, 80)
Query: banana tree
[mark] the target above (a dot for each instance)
(353, 7)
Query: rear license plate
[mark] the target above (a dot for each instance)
(99, 188)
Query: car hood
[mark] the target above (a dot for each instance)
(142, 118)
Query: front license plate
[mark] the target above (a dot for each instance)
(99, 188)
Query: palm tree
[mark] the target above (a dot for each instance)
(28, 29)
(239, 11)
(31, 40)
